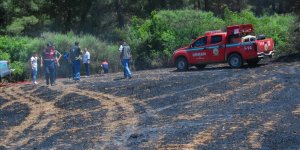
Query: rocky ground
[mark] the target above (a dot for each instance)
(213, 108)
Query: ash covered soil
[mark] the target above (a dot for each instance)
(213, 108)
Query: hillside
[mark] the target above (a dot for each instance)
(213, 108)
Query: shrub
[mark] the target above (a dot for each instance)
(153, 40)
(278, 27)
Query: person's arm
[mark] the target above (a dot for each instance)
(31, 62)
(88, 58)
(41, 61)
(59, 56)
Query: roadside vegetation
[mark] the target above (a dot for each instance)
(153, 38)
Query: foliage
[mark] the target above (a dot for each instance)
(276, 26)
(4, 56)
(33, 17)
(18, 50)
(19, 71)
(154, 39)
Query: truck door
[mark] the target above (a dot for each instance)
(216, 48)
(197, 52)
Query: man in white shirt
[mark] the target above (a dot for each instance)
(34, 67)
(86, 61)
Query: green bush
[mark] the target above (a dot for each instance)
(154, 40)
(18, 51)
(278, 27)
(4, 56)
(19, 71)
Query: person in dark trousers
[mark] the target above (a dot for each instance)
(104, 66)
(86, 61)
(75, 56)
(48, 61)
(125, 56)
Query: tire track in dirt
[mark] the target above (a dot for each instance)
(112, 122)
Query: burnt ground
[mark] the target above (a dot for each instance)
(213, 108)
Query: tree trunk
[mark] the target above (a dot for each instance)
(86, 6)
(206, 5)
(281, 7)
(238, 5)
(120, 16)
(258, 10)
(273, 6)
(197, 4)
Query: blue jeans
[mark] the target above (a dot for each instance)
(49, 71)
(76, 65)
(126, 69)
(87, 69)
(34, 74)
(105, 68)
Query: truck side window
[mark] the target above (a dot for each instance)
(200, 42)
(216, 39)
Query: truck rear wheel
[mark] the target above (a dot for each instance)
(235, 61)
(181, 64)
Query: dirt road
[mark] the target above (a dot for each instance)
(213, 108)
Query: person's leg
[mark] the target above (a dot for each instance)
(88, 69)
(47, 73)
(126, 66)
(86, 66)
(34, 75)
(73, 69)
(77, 70)
(52, 71)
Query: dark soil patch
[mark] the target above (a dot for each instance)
(74, 101)
(13, 115)
(2, 101)
(28, 88)
(46, 94)
(289, 58)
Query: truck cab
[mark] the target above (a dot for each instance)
(235, 46)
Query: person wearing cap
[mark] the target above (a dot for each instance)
(75, 57)
(48, 61)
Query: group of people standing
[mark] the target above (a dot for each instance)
(51, 56)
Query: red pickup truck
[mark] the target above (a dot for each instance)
(235, 46)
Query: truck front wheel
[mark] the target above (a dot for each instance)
(235, 61)
(181, 64)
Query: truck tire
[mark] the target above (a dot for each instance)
(201, 66)
(235, 60)
(181, 64)
(253, 62)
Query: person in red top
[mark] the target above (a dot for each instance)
(48, 61)
(104, 66)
